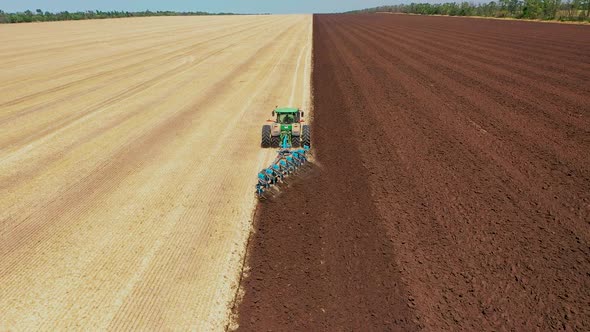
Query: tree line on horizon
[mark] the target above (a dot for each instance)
(567, 10)
(41, 16)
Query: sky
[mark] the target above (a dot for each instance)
(236, 6)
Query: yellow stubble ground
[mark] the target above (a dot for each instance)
(128, 156)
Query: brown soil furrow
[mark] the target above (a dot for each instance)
(453, 73)
(515, 54)
(308, 270)
(504, 29)
(518, 35)
(565, 100)
(450, 152)
(395, 156)
(429, 69)
(453, 124)
(475, 175)
(561, 77)
(443, 96)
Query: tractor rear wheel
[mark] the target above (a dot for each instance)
(275, 141)
(305, 136)
(295, 141)
(265, 143)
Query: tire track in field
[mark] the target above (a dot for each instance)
(168, 56)
(91, 45)
(116, 59)
(42, 163)
(132, 91)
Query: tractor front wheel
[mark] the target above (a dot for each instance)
(295, 141)
(265, 143)
(305, 136)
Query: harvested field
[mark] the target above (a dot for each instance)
(128, 155)
(452, 187)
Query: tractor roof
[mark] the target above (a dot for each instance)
(286, 110)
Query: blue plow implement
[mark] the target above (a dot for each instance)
(287, 162)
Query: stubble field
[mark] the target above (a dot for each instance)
(128, 154)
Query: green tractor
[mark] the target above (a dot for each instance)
(286, 130)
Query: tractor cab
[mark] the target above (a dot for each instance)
(287, 115)
(286, 130)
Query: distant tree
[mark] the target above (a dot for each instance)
(487, 9)
(515, 7)
(550, 8)
(466, 9)
(532, 9)
(536, 9)
(585, 7)
(572, 8)
(29, 16)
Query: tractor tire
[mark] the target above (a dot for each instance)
(265, 143)
(275, 141)
(295, 141)
(305, 136)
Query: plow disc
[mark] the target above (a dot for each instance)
(287, 162)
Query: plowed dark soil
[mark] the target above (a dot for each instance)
(452, 189)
